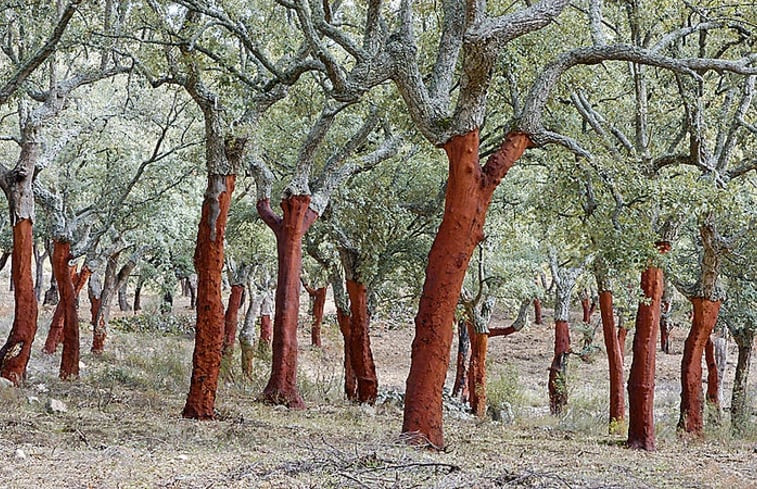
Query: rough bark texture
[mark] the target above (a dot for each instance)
(558, 388)
(641, 377)
(247, 333)
(319, 301)
(208, 261)
(69, 365)
(14, 355)
(622, 336)
(615, 360)
(360, 343)
(467, 198)
(460, 387)
(231, 319)
(55, 333)
(138, 295)
(692, 397)
(537, 311)
(123, 298)
(266, 333)
(740, 413)
(477, 371)
(350, 379)
(289, 230)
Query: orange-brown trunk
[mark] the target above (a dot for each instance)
(614, 359)
(461, 373)
(289, 230)
(230, 320)
(477, 371)
(319, 301)
(209, 329)
(558, 382)
(360, 343)
(266, 331)
(537, 311)
(692, 398)
(14, 355)
(468, 195)
(350, 380)
(69, 365)
(641, 376)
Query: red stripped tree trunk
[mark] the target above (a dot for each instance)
(586, 309)
(350, 380)
(55, 333)
(665, 327)
(209, 329)
(289, 230)
(14, 355)
(318, 304)
(615, 361)
(461, 374)
(477, 371)
(468, 195)
(537, 311)
(641, 377)
(69, 365)
(713, 378)
(266, 332)
(622, 336)
(692, 398)
(558, 390)
(231, 320)
(360, 343)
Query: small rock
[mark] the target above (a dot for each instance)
(5, 383)
(279, 407)
(32, 399)
(368, 410)
(19, 454)
(41, 388)
(182, 457)
(55, 406)
(82, 365)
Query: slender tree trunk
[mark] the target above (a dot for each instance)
(266, 333)
(69, 365)
(209, 329)
(138, 296)
(713, 382)
(740, 412)
(641, 377)
(319, 301)
(537, 312)
(558, 385)
(123, 297)
(468, 194)
(477, 370)
(692, 397)
(289, 230)
(192, 286)
(622, 336)
(231, 319)
(14, 355)
(586, 309)
(460, 387)
(39, 262)
(247, 334)
(615, 361)
(350, 379)
(360, 343)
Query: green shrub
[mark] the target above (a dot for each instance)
(168, 324)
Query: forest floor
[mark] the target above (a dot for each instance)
(122, 427)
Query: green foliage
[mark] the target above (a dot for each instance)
(157, 324)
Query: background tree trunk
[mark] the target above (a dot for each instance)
(558, 385)
(319, 301)
(123, 297)
(231, 319)
(537, 312)
(740, 411)
(360, 343)
(477, 370)
(460, 387)
(615, 361)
